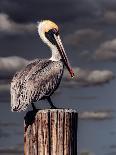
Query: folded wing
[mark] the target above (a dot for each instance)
(37, 80)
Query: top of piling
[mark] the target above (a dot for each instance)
(57, 110)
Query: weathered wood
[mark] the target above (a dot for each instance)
(51, 132)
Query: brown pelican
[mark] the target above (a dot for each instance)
(40, 78)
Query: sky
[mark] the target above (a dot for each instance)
(88, 31)
(87, 28)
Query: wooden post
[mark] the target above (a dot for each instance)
(51, 132)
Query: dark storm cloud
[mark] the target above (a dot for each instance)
(60, 10)
(85, 41)
(75, 12)
(84, 36)
(85, 19)
(28, 10)
(108, 5)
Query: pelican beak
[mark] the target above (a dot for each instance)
(63, 54)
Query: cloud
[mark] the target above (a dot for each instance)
(106, 51)
(85, 77)
(4, 87)
(97, 115)
(110, 17)
(28, 11)
(9, 65)
(108, 5)
(7, 25)
(80, 11)
(83, 36)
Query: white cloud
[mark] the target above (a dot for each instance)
(106, 51)
(98, 115)
(9, 26)
(87, 77)
(9, 65)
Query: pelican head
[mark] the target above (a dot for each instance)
(49, 33)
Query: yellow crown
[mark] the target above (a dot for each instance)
(48, 25)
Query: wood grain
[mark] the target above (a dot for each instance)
(51, 132)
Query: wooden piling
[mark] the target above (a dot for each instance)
(51, 132)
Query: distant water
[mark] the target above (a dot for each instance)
(96, 133)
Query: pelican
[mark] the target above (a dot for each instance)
(41, 77)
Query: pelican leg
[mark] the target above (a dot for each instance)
(51, 103)
(33, 106)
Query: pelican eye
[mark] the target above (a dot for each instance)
(50, 35)
(55, 31)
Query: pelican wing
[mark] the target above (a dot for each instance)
(20, 78)
(39, 79)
